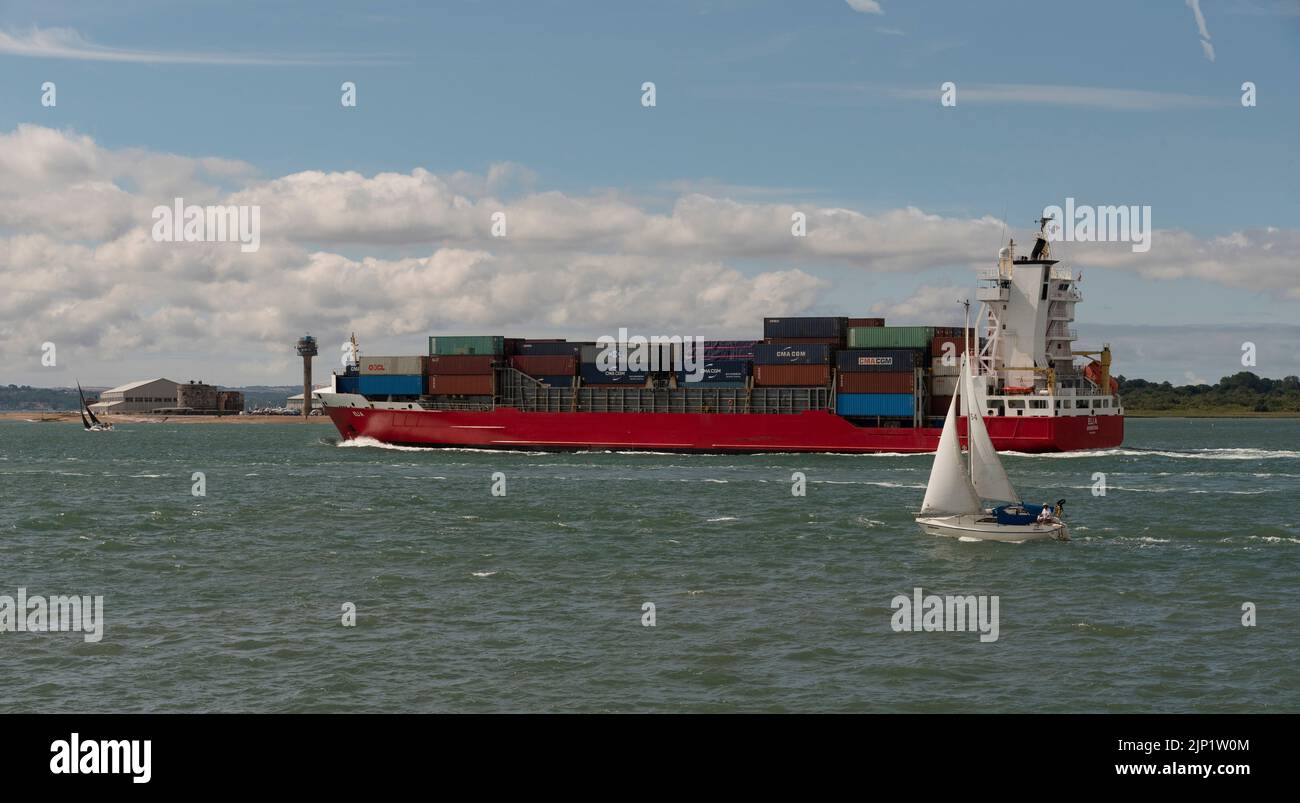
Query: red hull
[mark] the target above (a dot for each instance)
(818, 431)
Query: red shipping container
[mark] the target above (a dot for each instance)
(777, 375)
(939, 405)
(460, 364)
(459, 385)
(881, 382)
(545, 365)
(853, 322)
(936, 345)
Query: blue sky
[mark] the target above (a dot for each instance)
(802, 103)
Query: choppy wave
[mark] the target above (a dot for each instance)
(1190, 454)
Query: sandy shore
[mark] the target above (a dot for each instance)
(73, 417)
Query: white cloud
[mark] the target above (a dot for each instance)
(1075, 96)
(1261, 259)
(1202, 28)
(396, 256)
(866, 6)
(67, 43)
(929, 304)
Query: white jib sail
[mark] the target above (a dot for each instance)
(990, 478)
(950, 489)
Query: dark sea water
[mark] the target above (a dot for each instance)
(764, 601)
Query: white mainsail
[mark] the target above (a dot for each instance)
(987, 474)
(950, 489)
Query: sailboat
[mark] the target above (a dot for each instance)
(953, 505)
(94, 424)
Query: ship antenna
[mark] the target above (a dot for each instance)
(1042, 250)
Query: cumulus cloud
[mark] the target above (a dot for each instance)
(396, 256)
(929, 304)
(1260, 259)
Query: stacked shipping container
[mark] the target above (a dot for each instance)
(391, 376)
(890, 337)
(945, 364)
(445, 346)
(878, 366)
(878, 382)
(791, 365)
(462, 365)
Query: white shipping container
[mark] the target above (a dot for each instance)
(939, 369)
(398, 366)
(943, 385)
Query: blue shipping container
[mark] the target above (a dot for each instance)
(592, 375)
(781, 354)
(556, 381)
(804, 327)
(346, 384)
(719, 371)
(886, 404)
(391, 384)
(532, 348)
(866, 360)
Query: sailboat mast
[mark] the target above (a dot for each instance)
(965, 332)
(971, 412)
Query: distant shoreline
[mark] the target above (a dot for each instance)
(74, 418)
(1208, 414)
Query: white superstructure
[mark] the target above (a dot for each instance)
(1025, 365)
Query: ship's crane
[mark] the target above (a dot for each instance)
(1103, 360)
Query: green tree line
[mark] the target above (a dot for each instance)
(1241, 392)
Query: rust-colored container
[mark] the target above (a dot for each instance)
(939, 405)
(545, 364)
(866, 322)
(460, 364)
(779, 375)
(937, 345)
(876, 382)
(458, 385)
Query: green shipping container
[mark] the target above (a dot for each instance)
(890, 337)
(447, 346)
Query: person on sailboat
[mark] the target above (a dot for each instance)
(1045, 515)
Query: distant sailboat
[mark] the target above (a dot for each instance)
(94, 424)
(953, 506)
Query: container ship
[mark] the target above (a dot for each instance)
(824, 384)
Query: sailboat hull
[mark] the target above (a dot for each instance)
(981, 528)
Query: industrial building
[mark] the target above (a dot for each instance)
(294, 402)
(166, 396)
(144, 396)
